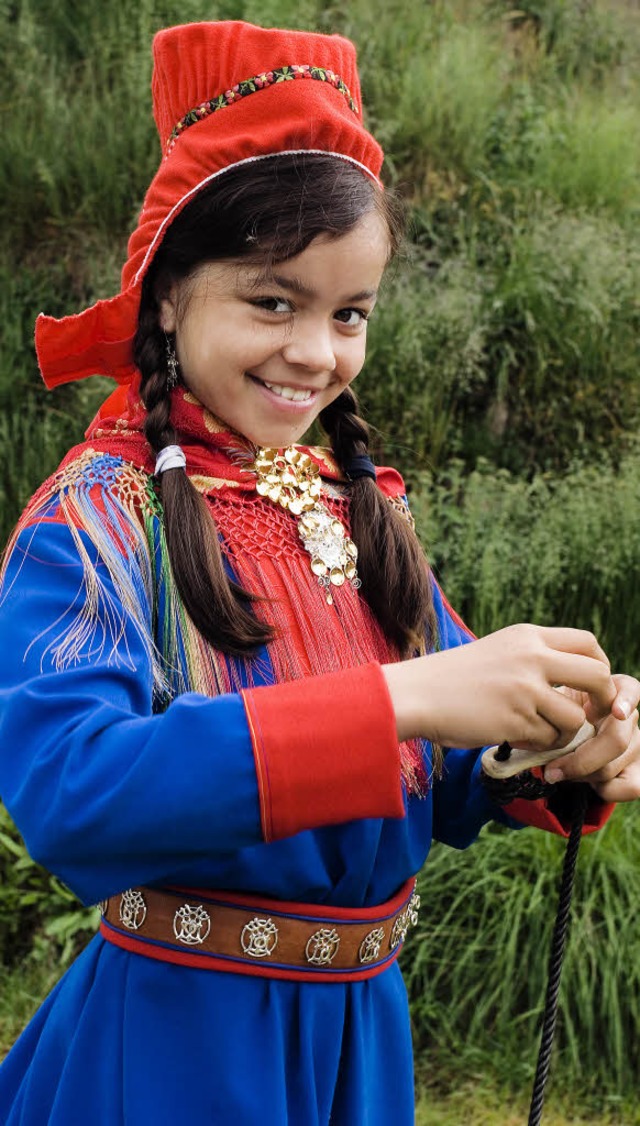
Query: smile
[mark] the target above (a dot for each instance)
(296, 396)
(290, 395)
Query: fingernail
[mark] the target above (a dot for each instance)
(623, 706)
(553, 774)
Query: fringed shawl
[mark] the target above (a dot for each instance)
(105, 493)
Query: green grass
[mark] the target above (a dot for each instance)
(514, 138)
(479, 1103)
(476, 965)
(553, 550)
(586, 137)
(22, 990)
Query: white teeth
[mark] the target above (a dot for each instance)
(288, 392)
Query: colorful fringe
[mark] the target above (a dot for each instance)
(105, 499)
(114, 505)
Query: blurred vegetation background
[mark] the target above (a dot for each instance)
(502, 379)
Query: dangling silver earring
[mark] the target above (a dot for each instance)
(172, 364)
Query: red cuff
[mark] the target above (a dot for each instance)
(326, 751)
(537, 813)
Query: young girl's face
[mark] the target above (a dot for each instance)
(266, 351)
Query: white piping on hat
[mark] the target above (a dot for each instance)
(237, 164)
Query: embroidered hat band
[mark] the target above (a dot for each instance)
(266, 937)
(252, 85)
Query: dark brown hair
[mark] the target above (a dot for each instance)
(269, 211)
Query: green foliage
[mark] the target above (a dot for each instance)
(479, 1100)
(38, 915)
(36, 429)
(584, 139)
(513, 133)
(512, 351)
(476, 966)
(23, 987)
(425, 353)
(554, 550)
(562, 322)
(573, 39)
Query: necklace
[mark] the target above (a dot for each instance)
(291, 479)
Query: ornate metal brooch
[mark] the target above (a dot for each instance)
(291, 479)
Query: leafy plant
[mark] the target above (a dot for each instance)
(38, 915)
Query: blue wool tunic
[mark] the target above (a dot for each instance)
(110, 795)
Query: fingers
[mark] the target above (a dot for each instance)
(581, 641)
(565, 715)
(628, 696)
(625, 787)
(614, 749)
(587, 674)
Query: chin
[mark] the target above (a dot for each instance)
(276, 438)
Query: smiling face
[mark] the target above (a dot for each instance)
(266, 352)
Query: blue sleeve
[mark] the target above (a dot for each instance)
(461, 805)
(107, 794)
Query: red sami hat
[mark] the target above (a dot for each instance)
(223, 93)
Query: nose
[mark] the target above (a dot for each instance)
(310, 345)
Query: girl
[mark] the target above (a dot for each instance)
(210, 723)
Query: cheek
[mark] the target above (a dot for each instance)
(201, 348)
(354, 360)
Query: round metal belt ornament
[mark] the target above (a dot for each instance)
(322, 947)
(191, 925)
(370, 946)
(133, 910)
(408, 918)
(259, 938)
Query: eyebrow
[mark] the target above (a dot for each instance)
(295, 285)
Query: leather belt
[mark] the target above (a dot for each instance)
(220, 930)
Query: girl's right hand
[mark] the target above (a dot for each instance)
(501, 687)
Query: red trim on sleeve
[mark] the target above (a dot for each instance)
(538, 814)
(326, 751)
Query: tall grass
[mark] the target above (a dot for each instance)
(558, 551)
(476, 965)
(511, 351)
(513, 134)
(586, 137)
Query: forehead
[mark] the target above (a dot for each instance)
(354, 261)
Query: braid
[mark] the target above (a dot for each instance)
(216, 605)
(391, 563)
(152, 362)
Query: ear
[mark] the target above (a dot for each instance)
(168, 305)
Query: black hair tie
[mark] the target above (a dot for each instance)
(360, 467)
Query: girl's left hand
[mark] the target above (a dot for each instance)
(610, 762)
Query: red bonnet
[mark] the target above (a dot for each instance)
(223, 93)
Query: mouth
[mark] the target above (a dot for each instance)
(289, 395)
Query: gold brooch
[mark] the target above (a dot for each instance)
(291, 479)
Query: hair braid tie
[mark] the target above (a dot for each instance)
(358, 467)
(171, 457)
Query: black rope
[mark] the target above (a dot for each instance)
(525, 785)
(561, 926)
(504, 791)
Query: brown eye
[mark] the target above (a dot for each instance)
(273, 304)
(352, 317)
